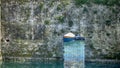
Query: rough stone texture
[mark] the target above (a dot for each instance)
(36, 29)
(0, 34)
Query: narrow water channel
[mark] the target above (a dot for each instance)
(74, 54)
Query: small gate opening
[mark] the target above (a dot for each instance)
(73, 51)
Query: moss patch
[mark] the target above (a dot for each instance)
(47, 22)
(80, 2)
(41, 4)
(14, 1)
(60, 18)
(103, 2)
(59, 7)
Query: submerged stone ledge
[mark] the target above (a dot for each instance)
(27, 59)
(103, 61)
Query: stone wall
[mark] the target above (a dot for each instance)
(36, 28)
(0, 43)
(0, 34)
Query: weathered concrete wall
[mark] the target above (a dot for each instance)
(36, 28)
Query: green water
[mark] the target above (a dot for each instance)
(55, 64)
(102, 65)
(35, 64)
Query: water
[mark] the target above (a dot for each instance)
(74, 54)
(74, 51)
(54, 64)
(102, 65)
(35, 64)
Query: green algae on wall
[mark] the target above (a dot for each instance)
(102, 2)
(15, 1)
